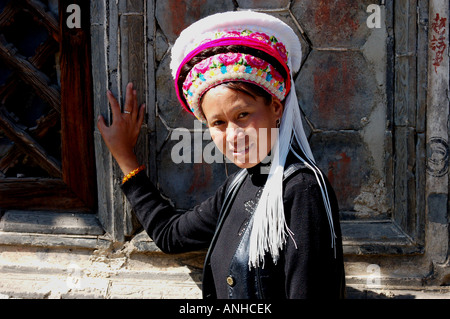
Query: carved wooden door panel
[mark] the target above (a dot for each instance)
(46, 148)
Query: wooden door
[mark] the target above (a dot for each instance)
(46, 125)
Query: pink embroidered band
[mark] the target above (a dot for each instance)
(228, 67)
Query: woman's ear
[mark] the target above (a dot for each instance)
(277, 108)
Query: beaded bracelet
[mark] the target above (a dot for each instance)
(132, 173)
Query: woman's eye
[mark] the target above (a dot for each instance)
(242, 115)
(217, 123)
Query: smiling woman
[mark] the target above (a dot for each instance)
(239, 122)
(272, 228)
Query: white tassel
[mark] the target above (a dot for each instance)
(269, 231)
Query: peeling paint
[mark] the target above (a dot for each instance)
(372, 200)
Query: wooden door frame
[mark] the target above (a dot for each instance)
(72, 185)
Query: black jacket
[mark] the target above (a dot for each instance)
(307, 269)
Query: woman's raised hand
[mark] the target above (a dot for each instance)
(121, 136)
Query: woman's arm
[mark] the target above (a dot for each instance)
(173, 231)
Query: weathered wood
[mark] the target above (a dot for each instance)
(421, 119)
(151, 50)
(408, 109)
(44, 123)
(8, 13)
(104, 184)
(46, 19)
(103, 158)
(29, 145)
(77, 189)
(39, 194)
(405, 51)
(44, 51)
(113, 52)
(419, 232)
(76, 107)
(10, 159)
(405, 91)
(405, 205)
(29, 74)
(132, 53)
(422, 65)
(131, 7)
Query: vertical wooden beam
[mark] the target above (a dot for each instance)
(133, 44)
(405, 109)
(78, 163)
(103, 158)
(151, 87)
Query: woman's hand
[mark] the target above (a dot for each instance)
(121, 136)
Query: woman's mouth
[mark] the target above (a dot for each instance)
(242, 151)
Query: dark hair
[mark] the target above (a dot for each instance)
(248, 88)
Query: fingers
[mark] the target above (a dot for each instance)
(131, 108)
(130, 98)
(101, 124)
(115, 107)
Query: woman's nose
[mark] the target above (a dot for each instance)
(234, 133)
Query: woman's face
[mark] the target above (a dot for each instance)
(243, 127)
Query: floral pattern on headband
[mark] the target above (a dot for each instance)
(228, 67)
(260, 36)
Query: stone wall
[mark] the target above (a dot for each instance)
(363, 93)
(359, 90)
(341, 88)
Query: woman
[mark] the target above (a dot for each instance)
(272, 228)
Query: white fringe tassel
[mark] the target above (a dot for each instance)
(269, 231)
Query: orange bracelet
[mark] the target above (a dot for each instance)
(132, 173)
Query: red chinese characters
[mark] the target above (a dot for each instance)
(438, 44)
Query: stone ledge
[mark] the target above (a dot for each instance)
(361, 292)
(41, 273)
(44, 222)
(381, 237)
(35, 286)
(50, 240)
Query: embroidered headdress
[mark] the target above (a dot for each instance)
(272, 69)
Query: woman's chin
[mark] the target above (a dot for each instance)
(244, 165)
(244, 162)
